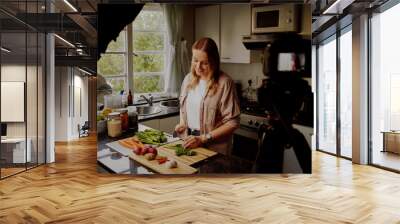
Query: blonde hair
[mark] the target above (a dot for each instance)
(208, 46)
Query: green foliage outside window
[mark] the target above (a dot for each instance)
(118, 45)
(148, 41)
(148, 83)
(111, 64)
(117, 84)
(148, 63)
(149, 45)
(149, 20)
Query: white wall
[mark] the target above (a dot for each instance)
(244, 72)
(69, 82)
(61, 104)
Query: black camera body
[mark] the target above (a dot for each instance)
(287, 97)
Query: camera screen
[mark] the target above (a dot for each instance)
(291, 62)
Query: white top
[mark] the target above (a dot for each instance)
(193, 104)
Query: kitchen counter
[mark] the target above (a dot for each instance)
(156, 100)
(112, 161)
(165, 112)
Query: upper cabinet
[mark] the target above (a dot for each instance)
(225, 24)
(207, 23)
(235, 22)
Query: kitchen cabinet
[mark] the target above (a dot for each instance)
(235, 22)
(164, 124)
(306, 21)
(225, 24)
(207, 23)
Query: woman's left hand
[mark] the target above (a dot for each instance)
(192, 142)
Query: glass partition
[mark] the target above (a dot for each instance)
(346, 93)
(23, 90)
(327, 96)
(385, 89)
(13, 94)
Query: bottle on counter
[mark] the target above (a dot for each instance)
(114, 124)
(130, 98)
(124, 118)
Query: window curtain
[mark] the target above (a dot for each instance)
(177, 55)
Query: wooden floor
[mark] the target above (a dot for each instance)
(71, 191)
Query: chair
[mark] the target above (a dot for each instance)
(84, 130)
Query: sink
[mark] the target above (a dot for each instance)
(147, 110)
(170, 104)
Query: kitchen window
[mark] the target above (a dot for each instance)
(149, 48)
(112, 64)
(148, 37)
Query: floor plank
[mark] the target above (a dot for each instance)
(71, 191)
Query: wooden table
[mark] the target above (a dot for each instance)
(391, 141)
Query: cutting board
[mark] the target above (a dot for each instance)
(201, 154)
(153, 164)
(162, 168)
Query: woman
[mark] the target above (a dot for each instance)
(209, 111)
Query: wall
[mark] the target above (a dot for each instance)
(188, 26)
(244, 72)
(17, 73)
(69, 112)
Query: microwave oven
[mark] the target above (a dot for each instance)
(275, 19)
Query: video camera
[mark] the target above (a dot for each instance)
(288, 98)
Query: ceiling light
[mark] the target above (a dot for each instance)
(84, 71)
(5, 50)
(70, 5)
(65, 41)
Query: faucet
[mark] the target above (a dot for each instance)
(148, 100)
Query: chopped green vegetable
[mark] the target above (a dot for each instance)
(180, 151)
(150, 136)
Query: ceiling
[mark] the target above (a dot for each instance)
(76, 24)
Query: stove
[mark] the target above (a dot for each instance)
(252, 116)
(252, 121)
(245, 138)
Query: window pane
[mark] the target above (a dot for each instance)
(111, 64)
(116, 83)
(327, 97)
(148, 41)
(346, 94)
(149, 20)
(385, 88)
(148, 63)
(148, 83)
(119, 44)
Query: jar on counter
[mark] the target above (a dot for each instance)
(133, 121)
(114, 124)
(124, 119)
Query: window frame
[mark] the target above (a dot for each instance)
(129, 53)
(334, 37)
(164, 52)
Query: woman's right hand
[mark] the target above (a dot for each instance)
(180, 128)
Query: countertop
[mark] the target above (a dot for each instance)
(114, 162)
